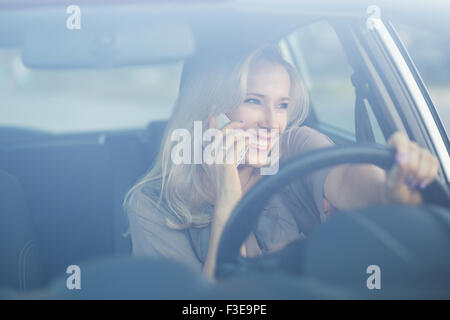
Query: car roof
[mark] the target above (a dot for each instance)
(413, 11)
(241, 19)
(216, 23)
(404, 5)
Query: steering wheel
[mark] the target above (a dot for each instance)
(244, 217)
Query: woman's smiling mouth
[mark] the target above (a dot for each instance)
(260, 142)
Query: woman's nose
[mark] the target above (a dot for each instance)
(269, 119)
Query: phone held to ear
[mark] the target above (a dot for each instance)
(221, 121)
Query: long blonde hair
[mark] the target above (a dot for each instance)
(211, 84)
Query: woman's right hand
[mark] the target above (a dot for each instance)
(227, 186)
(225, 176)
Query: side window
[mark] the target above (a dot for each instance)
(318, 54)
(377, 132)
(431, 55)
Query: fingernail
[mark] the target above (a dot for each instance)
(424, 184)
(411, 187)
(410, 181)
(241, 121)
(402, 157)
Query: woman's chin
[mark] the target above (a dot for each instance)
(257, 162)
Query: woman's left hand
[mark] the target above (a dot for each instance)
(415, 168)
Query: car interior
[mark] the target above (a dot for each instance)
(61, 194)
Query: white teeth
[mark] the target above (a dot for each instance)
(260, 142)
(259, 145)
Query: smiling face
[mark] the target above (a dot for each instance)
(264, 107)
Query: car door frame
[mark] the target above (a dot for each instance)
(379, 101)
(407, 90)
(399, 98)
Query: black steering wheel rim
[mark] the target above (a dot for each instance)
(239, 225)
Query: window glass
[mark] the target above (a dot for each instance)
(323, 64)
(84, 100)
(431, 54)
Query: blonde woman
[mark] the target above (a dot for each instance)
(179, 210)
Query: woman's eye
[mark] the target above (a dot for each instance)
(283, 106)
(252, 100)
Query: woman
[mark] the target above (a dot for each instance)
(179, 210)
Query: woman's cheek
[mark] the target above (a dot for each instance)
(285, 120)
(244, 113)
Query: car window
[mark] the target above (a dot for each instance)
(376, 129)
(322, 61)
(431, 55)
(323, 64)
(84, 100)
